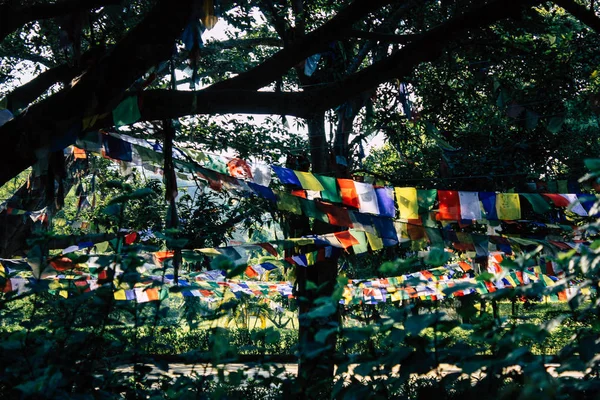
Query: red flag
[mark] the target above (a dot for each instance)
(449, 205)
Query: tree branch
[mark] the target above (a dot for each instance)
(13, 17)
(426, 48)
(312, 43)
(55, 122)
(586, 16)
(384, 37)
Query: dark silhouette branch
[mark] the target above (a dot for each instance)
(55, 122)
(384, 37)
(313, 42)
(586, 16)
(12, 16)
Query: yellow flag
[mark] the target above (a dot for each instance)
(120, 295)
(407, 202)
(308, 181)
(374, 241)
(508, 206)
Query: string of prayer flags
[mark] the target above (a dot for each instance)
(238, 175)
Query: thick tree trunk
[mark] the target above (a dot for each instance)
(317, 359)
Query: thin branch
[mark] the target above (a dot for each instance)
(384, 37)
(314, 42)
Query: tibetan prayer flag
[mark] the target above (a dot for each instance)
(152, 294)
(130, 238)
(238, 168)
(308, 181)
(346, 239)
(415, 232)
(539, 205)
(449, 205)
(120, 295)
(363, 222)
(127, 112)
(408, 206)
(361, 238)
(263, 191)
(79, 154)
(562, 186)
(481, 243)
(434, 236)
(261, 173)
(286, 175)
(268, 266)
(469, 205)
(367, 198)
(348, 192)
(426, 199)
(557, 199)
(575, 205)
(330, 190)
(385, 200)
(508, 206)
(374, 241)
(338, 216)
(488, 200)
(250, 272)
(116, 149)
(309, 208)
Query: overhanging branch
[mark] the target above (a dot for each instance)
(586, 16)
(13, 17)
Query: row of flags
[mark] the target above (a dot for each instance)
(434, 284)
(406, 203)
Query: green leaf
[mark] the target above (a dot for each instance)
(593, 164)
(416, 323)
(322, 334)
(322, 311)
(555, 124)
(484, 277)
(437, 257)
(531, 120)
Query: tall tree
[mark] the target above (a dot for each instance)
(307, 59)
